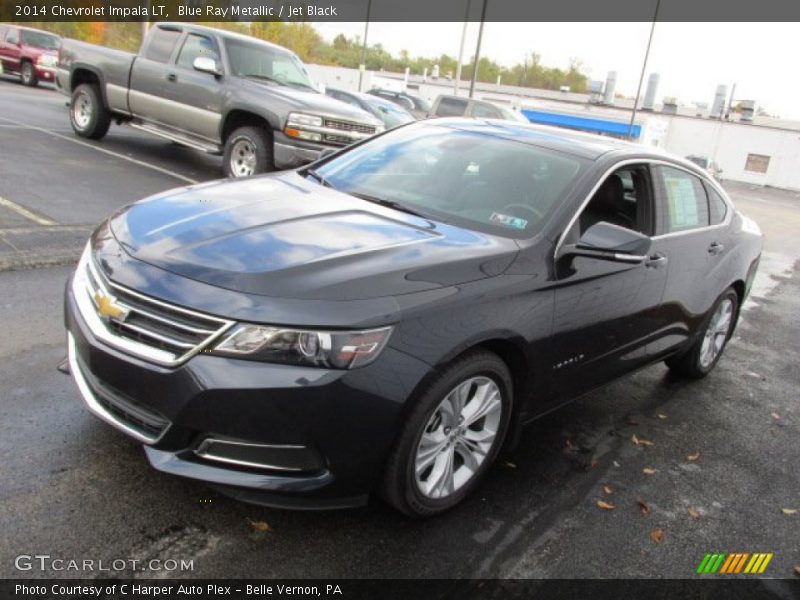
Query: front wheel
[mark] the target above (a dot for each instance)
(89, 117)
(705, 352)
(27, 74)
(451, 436)
(248, 151)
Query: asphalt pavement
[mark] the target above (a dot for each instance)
(723, 464)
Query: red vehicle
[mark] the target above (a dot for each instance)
(31, 53)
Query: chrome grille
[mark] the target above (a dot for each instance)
(346, 126)
(140, 325)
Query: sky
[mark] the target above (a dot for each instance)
(691, 58)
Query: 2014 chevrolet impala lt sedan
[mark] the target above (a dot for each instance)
(387, 319)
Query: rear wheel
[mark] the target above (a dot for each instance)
(248, 151)
(88, 115)
(451, 436)
(705, 352)
(27, 74)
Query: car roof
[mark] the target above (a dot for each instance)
(23, 28)
(578, 143)
(225, 34)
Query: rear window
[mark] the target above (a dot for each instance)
(161, 45)
(451, 107)
(717, 208)
(685, 198)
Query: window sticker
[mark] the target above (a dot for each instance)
(509, 221)
(682, 202)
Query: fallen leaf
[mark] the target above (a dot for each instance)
(662, 416)
(693, 457)
(657, 535)
(569, 443)
(608, 490)
(644, 507)
(511, 465)
(694, 514)
(640, 441)
(789, 511)
(261, 526)
(797, 570)
(616, 464)
(776, 416)
(649, 471)
(604, 505)
(595, 462)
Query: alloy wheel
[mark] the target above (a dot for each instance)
(716, 333)
(458, 437)
(243, 158)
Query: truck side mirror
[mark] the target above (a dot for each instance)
(206, 64)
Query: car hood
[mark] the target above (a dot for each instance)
(314, 102)
(283, 236)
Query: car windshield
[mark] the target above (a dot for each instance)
(38, 39)
(420, 103)
(462, 177)
(260, 61)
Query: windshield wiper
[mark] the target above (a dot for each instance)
(319, 178)
(264, 78)
(387, 203)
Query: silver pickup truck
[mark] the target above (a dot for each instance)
(212, 90)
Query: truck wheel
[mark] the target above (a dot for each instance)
(248, 151)
(27, 74)
(89, 118)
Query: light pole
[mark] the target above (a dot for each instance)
(461, 48)
(478, 50)
(644, 67)
(363, 66)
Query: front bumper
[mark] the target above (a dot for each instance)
(47, 74)
(290, 153)
(325, 434)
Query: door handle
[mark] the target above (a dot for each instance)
(715, 248)
(655, 261)
(172, 77)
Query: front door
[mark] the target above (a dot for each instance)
(606, 312)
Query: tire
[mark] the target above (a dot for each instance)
(27, 74)
(421, 493)
(712, 338)
(87, 113)
(248, 151)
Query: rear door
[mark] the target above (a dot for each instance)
(10, 50)
(150, 83)
(607, 312)
(691, 220)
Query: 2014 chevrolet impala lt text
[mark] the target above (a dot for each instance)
(386, 319)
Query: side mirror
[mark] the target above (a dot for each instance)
(609, 242)
(206, 64)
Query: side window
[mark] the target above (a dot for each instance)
(717, 209)
(683, 203)
(623, 199)
(13, 36)
(451, 107)
(485, 111)
(196, 46)
(162, 44)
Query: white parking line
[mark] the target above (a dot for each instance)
(21, 210)
(141, 163)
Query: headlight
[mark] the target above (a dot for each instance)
(335, 349)
(300, 120)
(47, 60)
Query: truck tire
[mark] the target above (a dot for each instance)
(89, 117)
(248, 151)
(27, 74)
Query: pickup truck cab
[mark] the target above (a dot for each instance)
(216, 91)
(30, 53)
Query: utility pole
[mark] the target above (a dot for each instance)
(461, 48)
(478, 50)
(363, 66)
(644, 68)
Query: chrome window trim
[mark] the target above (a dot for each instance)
(650, 162)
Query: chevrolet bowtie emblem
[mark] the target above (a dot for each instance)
(108, 308)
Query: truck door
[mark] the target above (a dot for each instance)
(149, 84)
